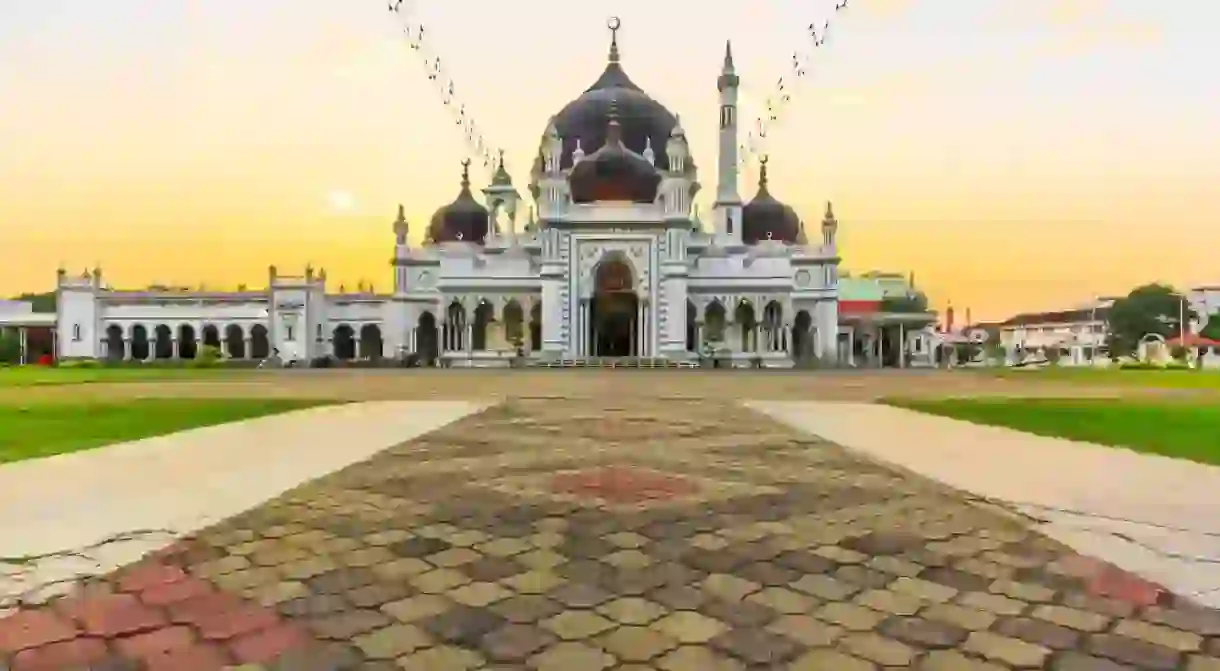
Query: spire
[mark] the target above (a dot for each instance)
(728, 78)
(829, 217)
(501, 178)
(614, 132)
(400, 226)
(466, 174)
(614, 24)
(762, 174)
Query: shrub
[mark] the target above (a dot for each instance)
(207, 356)
(78, 363)
(1179, 353)
(320, 362)
(1053, 354)
(10, 348)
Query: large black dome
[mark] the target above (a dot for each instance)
(586, 118)
(465, 219)
(766, 218)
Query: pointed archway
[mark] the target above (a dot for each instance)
(614, 310)
(427, 339)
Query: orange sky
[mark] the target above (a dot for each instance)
(1026, 155)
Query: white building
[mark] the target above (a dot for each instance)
(615, 263)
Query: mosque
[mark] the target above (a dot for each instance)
(612, 262)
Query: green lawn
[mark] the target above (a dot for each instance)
(34, 376)
(1185, 430)
(1207, 379)
(42, 429)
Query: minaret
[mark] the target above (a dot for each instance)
(402, 251)
(501, 196)
(727, 207)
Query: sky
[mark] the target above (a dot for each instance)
(1013, 154)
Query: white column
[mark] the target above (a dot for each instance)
(880, 347)
(24, 346)
(582, 328)
(469, 338)
(902, 346)
(126, 348)
(641, 330)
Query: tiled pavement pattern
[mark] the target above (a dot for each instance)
(571, 536)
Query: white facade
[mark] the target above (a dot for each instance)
(613, 277)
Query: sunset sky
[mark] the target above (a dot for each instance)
(1014, 154)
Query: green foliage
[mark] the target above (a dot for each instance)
(1179, 353)
(10, 348)
(208, 356)
(1212, 330)
(913, 303)
(1053, 355)
(1150, 309)
(79, 363)
(43, 302)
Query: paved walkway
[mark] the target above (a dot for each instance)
(88, 513)
(571, 535)
(1151, 515)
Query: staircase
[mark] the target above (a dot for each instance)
(616, 362)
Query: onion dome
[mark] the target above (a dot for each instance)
(501, 176)
(614, 172)
(586, 119)
(765, 218)
(465, 219)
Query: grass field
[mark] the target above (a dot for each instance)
(43, 429)
(1165, 379)
(34, 376)
(1173, 429)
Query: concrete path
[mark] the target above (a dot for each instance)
(1151, 515)
(87, 513)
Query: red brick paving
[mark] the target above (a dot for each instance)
(620, 484)
(161, 618)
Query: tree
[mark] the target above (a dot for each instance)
(44, 302)
(1212, 330)
(912, 303)
(1150, 309)
(10, 348)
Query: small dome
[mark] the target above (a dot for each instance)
(765, 218)
(614, 172)
(464, 219)
(501, 177)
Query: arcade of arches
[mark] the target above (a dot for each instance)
(139, 342)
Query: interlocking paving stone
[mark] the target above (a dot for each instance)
(559, 535)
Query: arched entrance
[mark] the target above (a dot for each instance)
(803, 337)
(343, 342)
(370, 341)
(260, 342)
(613, 311)
(426, 339)
(114, 342)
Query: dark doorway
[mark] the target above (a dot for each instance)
(370, 342)
(536, 327)
(426, 339)
(260, 342)
(343, 341)
(186, 342)
(613, 311)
